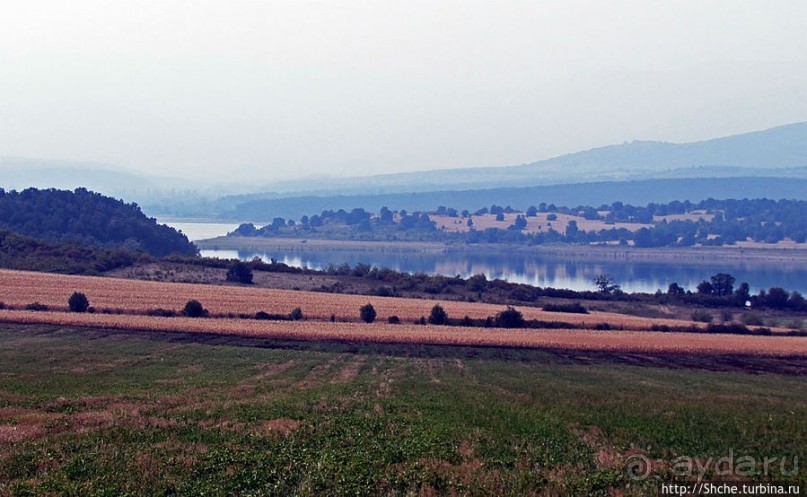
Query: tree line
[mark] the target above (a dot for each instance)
(726, 222)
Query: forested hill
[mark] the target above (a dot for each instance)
(89, 218)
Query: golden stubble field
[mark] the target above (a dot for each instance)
(19, 288)
(612, 341)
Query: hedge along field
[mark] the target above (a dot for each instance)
(616, 341)
(20, 288)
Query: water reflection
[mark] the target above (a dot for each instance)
(541, 270)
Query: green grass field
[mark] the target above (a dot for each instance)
(85, 412)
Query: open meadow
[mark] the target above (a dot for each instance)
(93, 412)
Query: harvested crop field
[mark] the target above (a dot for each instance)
(19, 288)
(627, 341)
(93, 412)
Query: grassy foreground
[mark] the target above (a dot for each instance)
(86, 412)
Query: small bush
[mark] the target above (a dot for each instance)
(2, 305)
(165, 313)
(421, 321)
(296, 314)
(383, 291)
(333, 318)
(575, 308)
(78, 302)
(367, 313)
(477, 283)
(36, 306)
(194, 309)
(261, 316)
(603, 327)
(240, 272)
(467, 321)
(510, 318)
(702, 316)
(394, 320)
(438, 315)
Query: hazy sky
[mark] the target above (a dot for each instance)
(278, 89)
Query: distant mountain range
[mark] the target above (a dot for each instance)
(770, 163)
(18, 173)
(593, 194)
(775, 152)
(761, 164)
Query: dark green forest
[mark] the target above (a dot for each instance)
(85, 219)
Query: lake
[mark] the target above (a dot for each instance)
(535, 269)
(539, 270)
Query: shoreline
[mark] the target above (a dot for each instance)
(589, 252)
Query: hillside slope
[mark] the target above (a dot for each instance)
(88, 218)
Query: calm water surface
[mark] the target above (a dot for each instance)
(540, 270)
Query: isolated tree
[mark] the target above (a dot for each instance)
(510, 318)
(722, 284)
(438, 315)
(520, 223)
(367, 313)
(796, 301)
(705, 288)
(572, 229)
(675, 289)
(386, 216)
(777, 298)
(78, 302)
(605, 283)
(194, 309)
(743, 293)
(532, 211)
(470, 223)
(477, 283)
(278, 223)
(245, 229)
(240, 272)
(296, 314)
